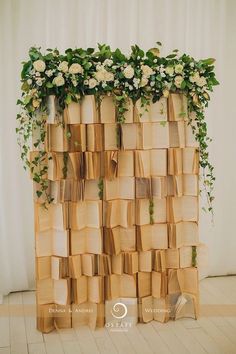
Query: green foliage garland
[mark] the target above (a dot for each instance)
(101, 71)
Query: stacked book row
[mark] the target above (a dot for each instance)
(123, 223)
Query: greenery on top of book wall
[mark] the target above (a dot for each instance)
(101, 71)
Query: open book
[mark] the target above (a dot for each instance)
(119, 239)
(150, 163)
(182, 209)
(53, 291)
(119, 212)
(86, 214)
(120, 286)
(119, 188)
(153, 236)
(52, 242)
(56, 216)
(183, 234)
(89, 289)
(86, 240)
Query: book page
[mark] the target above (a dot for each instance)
(125, 163)
(158, 162)
(159, 236)
(94, 214)
(107, 110)
(110, 136)
(89, 112)
(43, 242)
(190, 208)
(159, 135)
(158, 110)
(129, 136)
(73, 113)
(191, 185)
(126, 187)
(94, 240)
(78, 241)
(60, 243)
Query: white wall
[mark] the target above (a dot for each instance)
(203, 28)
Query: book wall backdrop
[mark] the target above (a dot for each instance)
(114, 146)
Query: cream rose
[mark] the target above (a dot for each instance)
(92, 83)
(59, 80)
(178, 81)
(76, 69)
(109, 76)
(143, 82)
(39, 65)
(147, 71)
(63, 66)
(169, 70)
(100, 75)
(195, 77)
(201, 81)
(128, 72)
(179, 68)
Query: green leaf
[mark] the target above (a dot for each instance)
(183, 85)
(68, 99)
(49, 84)
(39, 193)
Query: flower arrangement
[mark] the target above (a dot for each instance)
(139, 75)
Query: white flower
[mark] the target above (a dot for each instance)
(104, 85)
(39, 65)
(108, 62)
(86, 82)
(155, 61)
(147, 71)
(39, 81)
(152, 84)
(130, 87)
(104, 75)
(37, 74)
(76, 69)
(49, 73)
(63, 66)
(163, 75)
(29, 81)
(128, 72)
(58, 80)
(178, 81)
(195, 77)
(201, 81)
(75, 83)
(143, 82)
(170, 70)
(179, 68)
(109, 76)
(191, 65)
(161, 68)
(92, 83)
(136, 82)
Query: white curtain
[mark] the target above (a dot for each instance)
(203, 28)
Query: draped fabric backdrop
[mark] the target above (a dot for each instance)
(201, 28)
